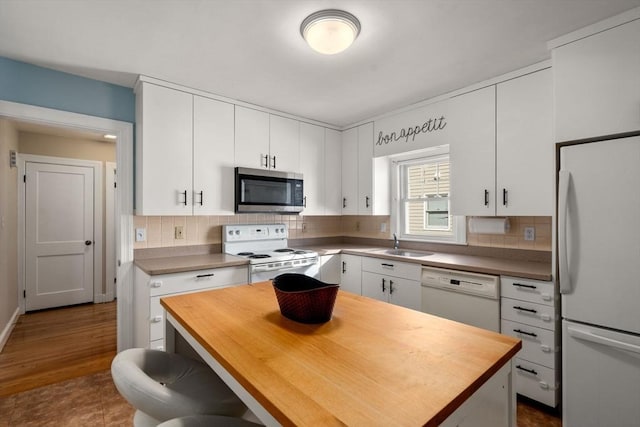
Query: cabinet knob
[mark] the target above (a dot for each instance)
(155, 284)
(156, 319)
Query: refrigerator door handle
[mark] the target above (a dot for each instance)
(609, 342)
(564, 177)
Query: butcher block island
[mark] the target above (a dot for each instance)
(372, 364)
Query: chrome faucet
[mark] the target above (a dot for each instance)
(396, 242)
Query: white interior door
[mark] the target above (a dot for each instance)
(59, 235)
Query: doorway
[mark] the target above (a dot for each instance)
(63, 230)
(123, 200)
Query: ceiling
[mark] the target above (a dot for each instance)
(252, 51)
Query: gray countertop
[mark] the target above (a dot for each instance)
(478, 264)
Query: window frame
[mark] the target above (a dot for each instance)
(399, 185)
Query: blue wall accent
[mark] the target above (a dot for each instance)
(29, 84)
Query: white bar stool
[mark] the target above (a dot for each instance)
(162, 386)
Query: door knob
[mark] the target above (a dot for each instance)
(88, 242)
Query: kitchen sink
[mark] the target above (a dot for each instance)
(403, 252)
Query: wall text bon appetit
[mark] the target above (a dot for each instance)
(430, 125)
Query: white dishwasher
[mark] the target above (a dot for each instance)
(465, 297)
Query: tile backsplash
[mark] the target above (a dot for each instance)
(199, 230)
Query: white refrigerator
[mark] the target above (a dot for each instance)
(599, 266)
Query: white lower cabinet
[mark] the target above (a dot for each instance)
(529, 311)
(330, 268)
(391, 281)
(351, 273)
(149, 316)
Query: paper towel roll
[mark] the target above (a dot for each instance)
(488, 225)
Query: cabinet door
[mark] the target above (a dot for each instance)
(406, 293)
(213, 157)
(375, 286)
(312, 168)
(330, 268)
(524, 145)
(472, 153)
(597, 84)
(163, 151)
(350, 172)
(284, 146)
(332, 172)
(251, 138)
(351, 274)
(365, 169)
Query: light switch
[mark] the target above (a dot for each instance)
(141, 234)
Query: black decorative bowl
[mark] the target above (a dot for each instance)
(304, 299)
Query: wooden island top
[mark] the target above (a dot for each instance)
(373, 363)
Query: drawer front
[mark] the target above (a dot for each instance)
(542, 316)
(387, 267)
(156, 319)
(195, 280)
(536, 381)
(538, 345)
(528, 290)
(157, 345)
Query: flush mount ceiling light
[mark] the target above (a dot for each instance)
(330, 31)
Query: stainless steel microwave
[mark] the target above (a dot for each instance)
(268, 191)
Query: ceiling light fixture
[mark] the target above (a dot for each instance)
(330, 31)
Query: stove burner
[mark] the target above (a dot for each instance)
(299, 252)
(244, 253)
(257, 256)
(284, 250)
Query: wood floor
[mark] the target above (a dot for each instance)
(50, 346)
(54, 371)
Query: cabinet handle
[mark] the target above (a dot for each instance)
(344, 202)
(344, 267)
(505, 199)
(486, 197)
(531, 371)
(201, 197)
(522, 285)
(266, 160)
(383, 287)
(366, 201)
(156, 319)
(529, 310)
(390, 287)
(200, 276)
(274, 162)
(384, 265)
(184, 193)
(304, 202)
(519, 331)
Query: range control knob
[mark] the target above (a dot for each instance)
(230, 232)
(237, 232)
(282, 230)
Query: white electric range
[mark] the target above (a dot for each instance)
(267, 249)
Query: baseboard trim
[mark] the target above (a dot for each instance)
(4, 337)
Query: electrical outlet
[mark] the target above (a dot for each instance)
(529, 233)
(141, 234)
(357, 225)
(383, 227)
(304, 227)
(179, 232)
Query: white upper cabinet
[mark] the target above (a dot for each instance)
(266, 141)
(284, 147)
(365, 179)
(163, 151)
(251, 138)
(213, 157)
(332, 172)
(524, 145)
(184, 153)
(597, 84)
(350, 172)
(472, 153)
(312, 152)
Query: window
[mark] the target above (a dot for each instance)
(422, 209)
